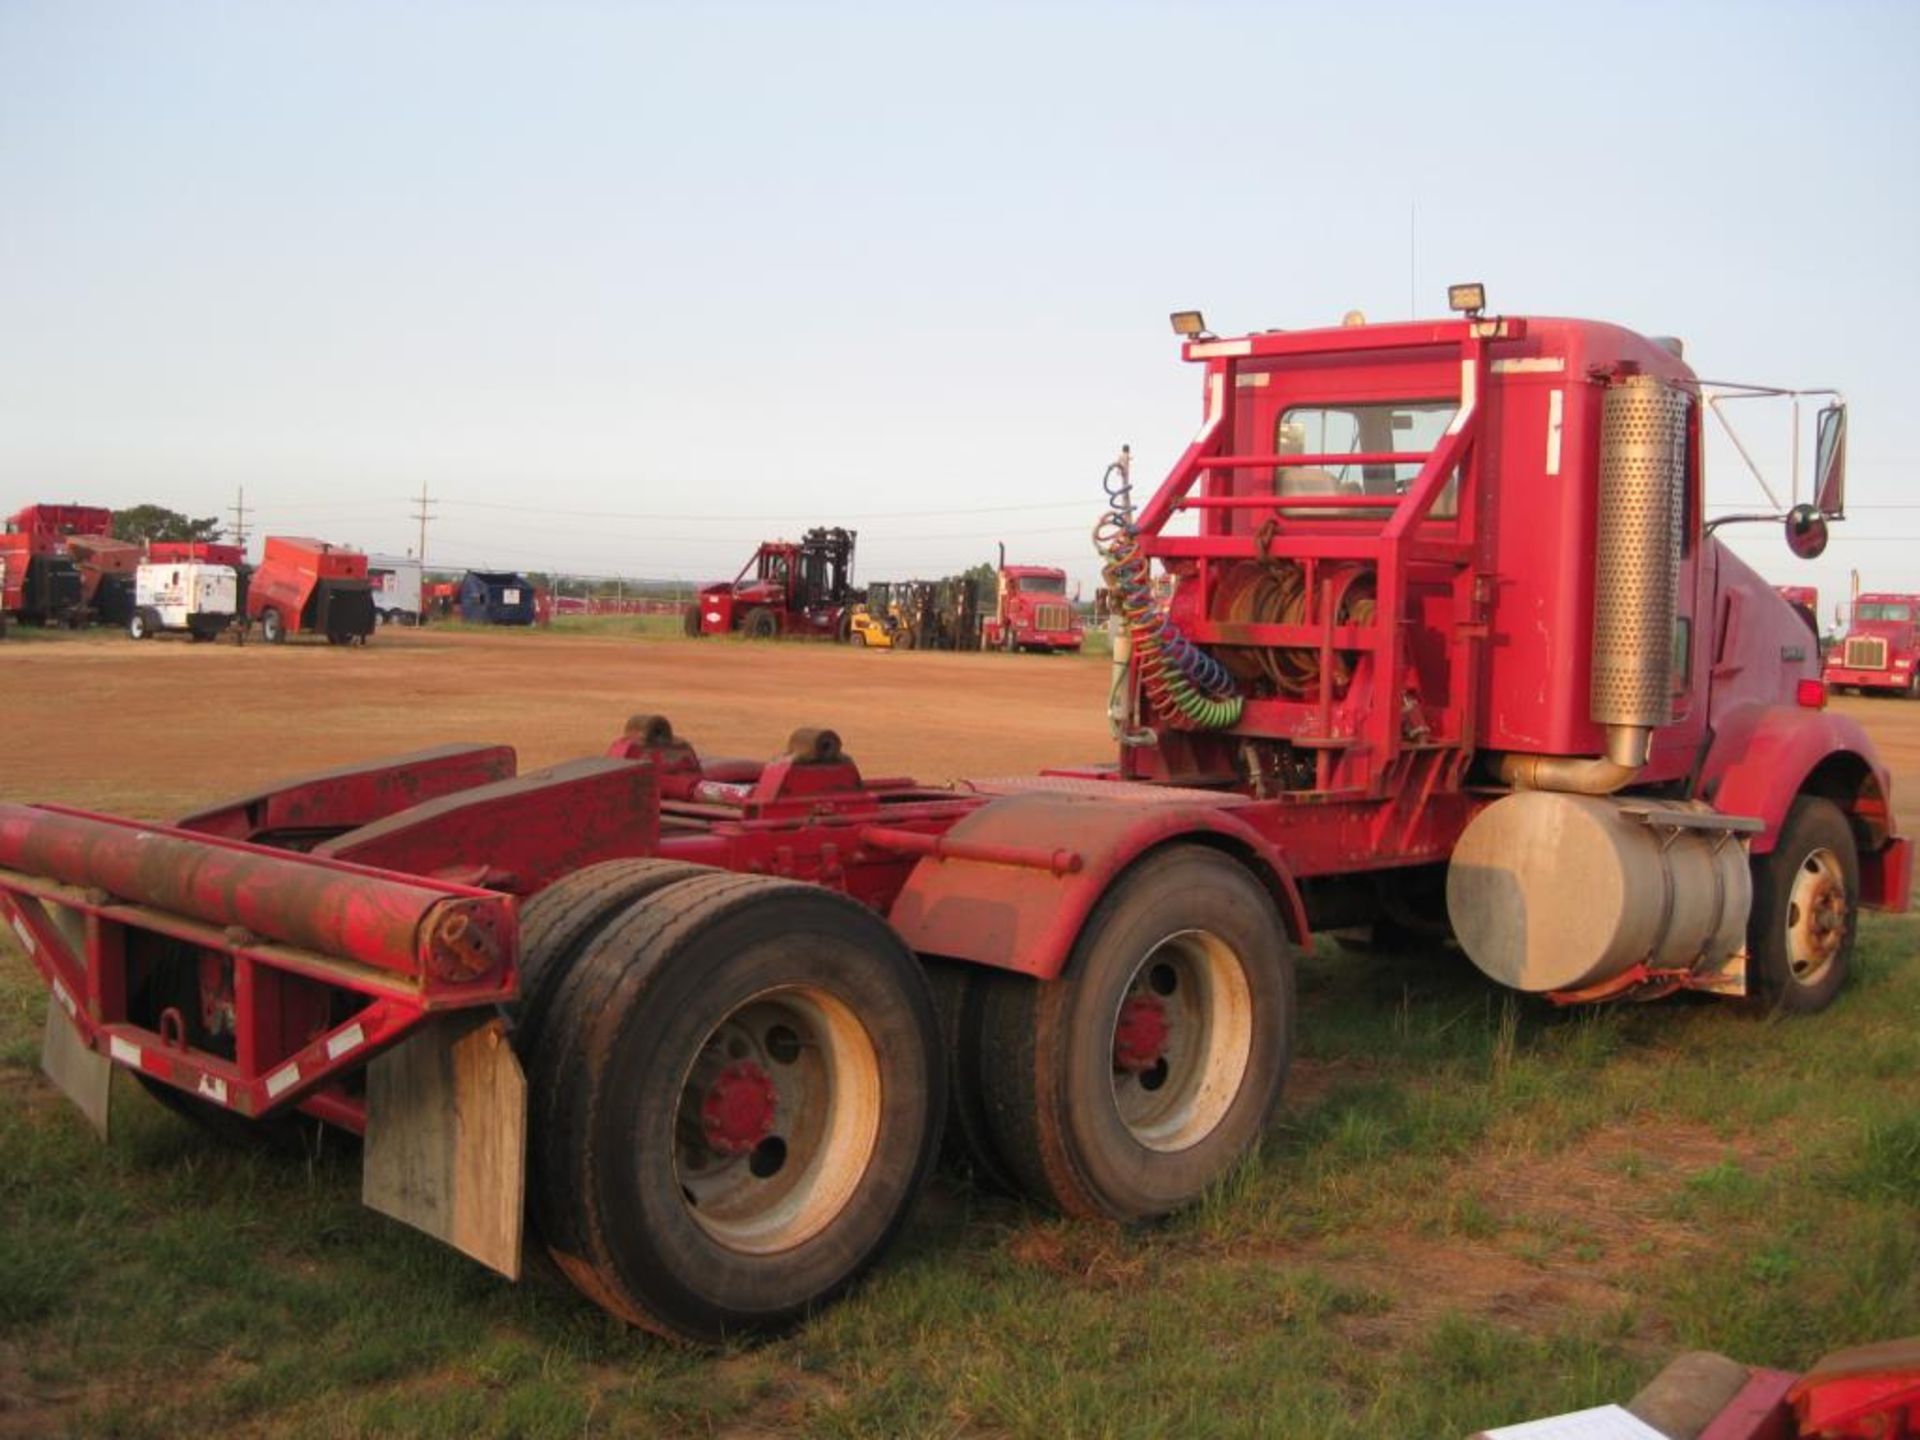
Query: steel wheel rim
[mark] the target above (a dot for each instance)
(821, 1129)
(1817, 916)
(1197, 984)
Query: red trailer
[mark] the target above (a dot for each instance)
(106, 567)
(306, 586)
(1468, 660)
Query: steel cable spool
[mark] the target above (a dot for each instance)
(1187, 686)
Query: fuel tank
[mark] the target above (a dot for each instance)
(1550, 891)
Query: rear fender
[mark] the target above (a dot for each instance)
(1763, 757)
(329, 801)
(1026, 918)
(518, 835)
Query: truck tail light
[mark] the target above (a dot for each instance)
(1811, 694)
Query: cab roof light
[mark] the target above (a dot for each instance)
(1190, 325)
(1469, 300)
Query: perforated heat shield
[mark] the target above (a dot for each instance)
(1643, 446)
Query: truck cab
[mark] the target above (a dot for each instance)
(1880, 650)
(1031, 611)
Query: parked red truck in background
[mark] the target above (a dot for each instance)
(1880, 649)
(44, 585)
(1031, 610)
(1487, 672)
(1805, 599)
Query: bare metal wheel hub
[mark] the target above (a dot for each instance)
(1182, 1039)
(1816, 916)
(777, 1120)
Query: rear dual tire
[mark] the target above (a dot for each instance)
(1125, 1088)
(735, 1097)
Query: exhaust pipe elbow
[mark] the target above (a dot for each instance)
(1626, 756)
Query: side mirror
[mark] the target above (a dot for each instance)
(1806, 532)
(1830, 461)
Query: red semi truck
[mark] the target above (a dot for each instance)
(1881, 647)
(1031, 610)
(43, 583)
(1486, 670)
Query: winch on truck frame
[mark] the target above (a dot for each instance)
(1450, 639)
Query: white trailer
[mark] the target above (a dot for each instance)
(396, 588)
(201, 600)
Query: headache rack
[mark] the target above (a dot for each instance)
(1397, 536)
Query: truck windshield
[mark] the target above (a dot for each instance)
(1882, 611)
(1411, 427)
(1043, 584)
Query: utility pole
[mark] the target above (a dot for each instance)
(423, 514)
(240, 520)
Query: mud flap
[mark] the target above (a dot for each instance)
(446, 1145)
(81, 1073)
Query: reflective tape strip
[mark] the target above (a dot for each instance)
(350, 1038)
(282, 1080)
(124, 1051)
(213, 1087)
(1208, 348)
(1556, 406)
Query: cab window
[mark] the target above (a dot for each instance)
(1412, 427)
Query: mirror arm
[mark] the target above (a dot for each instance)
(1715, 524)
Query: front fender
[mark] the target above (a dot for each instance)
(1026, 919)
(1764, 755)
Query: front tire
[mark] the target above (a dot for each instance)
(1126, 1087)
(273, 629)
(761, 624)
(741, 1101)
(140, 625)
(1806, 908)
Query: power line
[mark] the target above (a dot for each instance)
(1088, 505)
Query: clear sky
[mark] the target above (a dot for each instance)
(631, 286)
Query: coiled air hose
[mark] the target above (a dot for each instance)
(1186, 685)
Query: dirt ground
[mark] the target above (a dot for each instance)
(150, 730)
(98, 721)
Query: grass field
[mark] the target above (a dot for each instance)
(1473, 1209)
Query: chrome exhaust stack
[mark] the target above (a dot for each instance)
(1643, 456)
